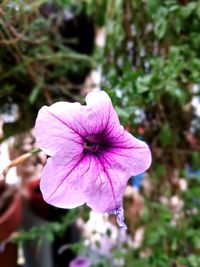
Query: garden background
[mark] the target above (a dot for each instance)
(146, 55)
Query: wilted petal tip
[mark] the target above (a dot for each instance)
(119, 213)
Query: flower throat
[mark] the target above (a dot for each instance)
(90, 146)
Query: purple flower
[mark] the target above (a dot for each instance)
(92, 156)
(80, 262)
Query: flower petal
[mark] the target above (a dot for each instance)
(112, 170)
(69, 180)
(100, 112)
(66, 123)
(53, 129)
(107, 184)
(61, 182)
(133, 154)
(80, 261)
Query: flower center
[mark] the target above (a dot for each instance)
(90, 144)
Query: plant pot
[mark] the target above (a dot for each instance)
(10, 219)
(37, 203)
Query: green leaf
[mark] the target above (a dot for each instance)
(165, 135)
(143, 83)
(194, 260)
(34, 94)
(187, 10)
(196, 160)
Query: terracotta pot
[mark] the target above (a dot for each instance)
(10, 220)
(37, 203)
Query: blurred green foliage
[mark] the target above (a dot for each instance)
(150, 67)
(37, 62)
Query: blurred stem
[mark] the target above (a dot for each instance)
(4, 3)
(51, 58)
(19, 160)
(6, 27)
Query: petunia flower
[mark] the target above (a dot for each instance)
(91, 155)
(80, 262)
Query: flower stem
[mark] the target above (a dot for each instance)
(15, 162)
